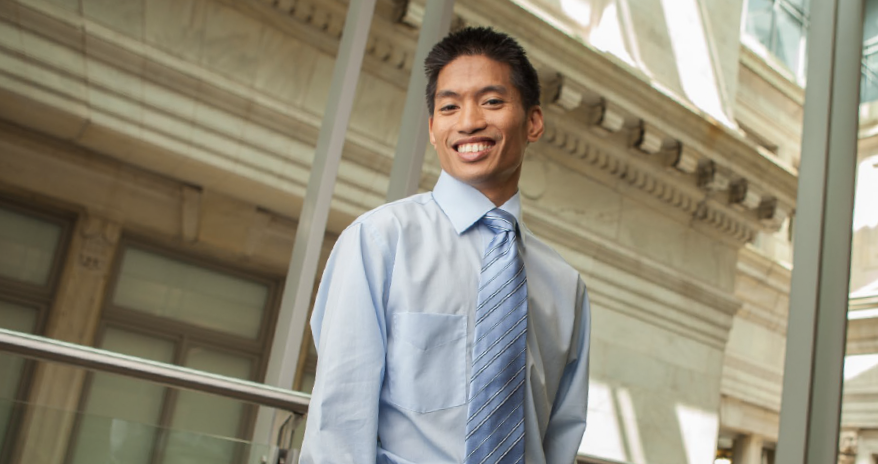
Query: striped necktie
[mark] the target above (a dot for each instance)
(495, 419)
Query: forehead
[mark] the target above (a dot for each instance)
(471, 73)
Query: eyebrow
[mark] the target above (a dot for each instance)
(501, 89)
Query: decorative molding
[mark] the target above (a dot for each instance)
(99, 239)
(605, 118)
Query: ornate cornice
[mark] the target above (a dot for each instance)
(748, 191)
(729, 198)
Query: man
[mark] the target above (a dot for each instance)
(447, 332)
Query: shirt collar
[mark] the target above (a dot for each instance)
(464, 205)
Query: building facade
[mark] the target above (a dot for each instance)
(154, 156)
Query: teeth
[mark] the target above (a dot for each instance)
(472, 147)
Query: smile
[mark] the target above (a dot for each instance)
(476, 147)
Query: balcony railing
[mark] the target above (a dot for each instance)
(128, 437)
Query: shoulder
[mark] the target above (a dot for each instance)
(386, 222)
(547, 257)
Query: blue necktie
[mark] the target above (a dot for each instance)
(495, 419)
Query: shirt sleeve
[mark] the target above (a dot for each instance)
(568, 418)
(348, 324)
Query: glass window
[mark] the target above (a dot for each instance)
(21, 319)
(27, 247)
(207, 414)
(120, 418)
(165, 287)
(158, 309)
(789, 40)
(781, 26)
(869, 68)
(29, 244)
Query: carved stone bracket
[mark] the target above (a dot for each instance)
(99, 238)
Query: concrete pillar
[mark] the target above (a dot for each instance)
(748, 450)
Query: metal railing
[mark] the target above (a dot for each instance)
(47, 349)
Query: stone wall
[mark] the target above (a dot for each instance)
(193, 123)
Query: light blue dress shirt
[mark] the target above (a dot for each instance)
(393, 323)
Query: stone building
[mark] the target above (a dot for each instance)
(153, 162)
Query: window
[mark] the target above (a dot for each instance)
(181, 312)
(869, 68)
(781, 26)
(31, 249)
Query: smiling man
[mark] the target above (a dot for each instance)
(446, 331)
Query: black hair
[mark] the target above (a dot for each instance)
(472, 41)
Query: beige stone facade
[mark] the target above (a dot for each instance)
(667, 177)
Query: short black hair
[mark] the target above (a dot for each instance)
(473, 41)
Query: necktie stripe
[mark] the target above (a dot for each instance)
(488, 332)
(511, 362)
(490, 311)
(499, 244)
(510, 446)
(498, 340)
(487, 418)
(520, 270)
(495, 395)
(488, 282)
(498, 370)
(501, 444)
(501, 255)
(488, 349)
(505, 419)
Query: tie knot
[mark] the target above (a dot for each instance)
(499, 221)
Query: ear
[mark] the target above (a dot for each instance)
(535, 125)
(430, 126)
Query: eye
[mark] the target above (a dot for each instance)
(493, 102)
(447, 108)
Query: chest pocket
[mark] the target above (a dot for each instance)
(426, 361)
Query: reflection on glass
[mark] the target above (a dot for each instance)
(759, 16)
(123, 410)
(209, 414)
(21, 319)
(789, 40)
(27, 247)
(173, 289)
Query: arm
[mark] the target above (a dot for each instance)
(349, 331)
(567, 422)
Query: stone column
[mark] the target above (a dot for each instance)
(748, 450)
(74, 316)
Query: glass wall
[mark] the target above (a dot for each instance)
(781, 26)
(169, 310)
(31, 254)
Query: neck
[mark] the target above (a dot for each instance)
(499, 196)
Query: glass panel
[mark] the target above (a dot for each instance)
(127, 439)
(869, 82)
(169, 288)
(123, 410)
(20, 319)
(789, 41)
(759, 18)
(870, 25)
(27, 247)
(208, 414)
(801, 5)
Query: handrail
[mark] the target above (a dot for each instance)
(47, 349)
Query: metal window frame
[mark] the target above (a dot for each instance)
(40, 297)
(800, 16)
(181, 333)
(816, 334)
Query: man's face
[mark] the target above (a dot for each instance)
(480, 127)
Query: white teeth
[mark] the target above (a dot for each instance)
(472, 147)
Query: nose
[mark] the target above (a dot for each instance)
(471, 119)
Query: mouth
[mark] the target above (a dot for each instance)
(473, 150)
